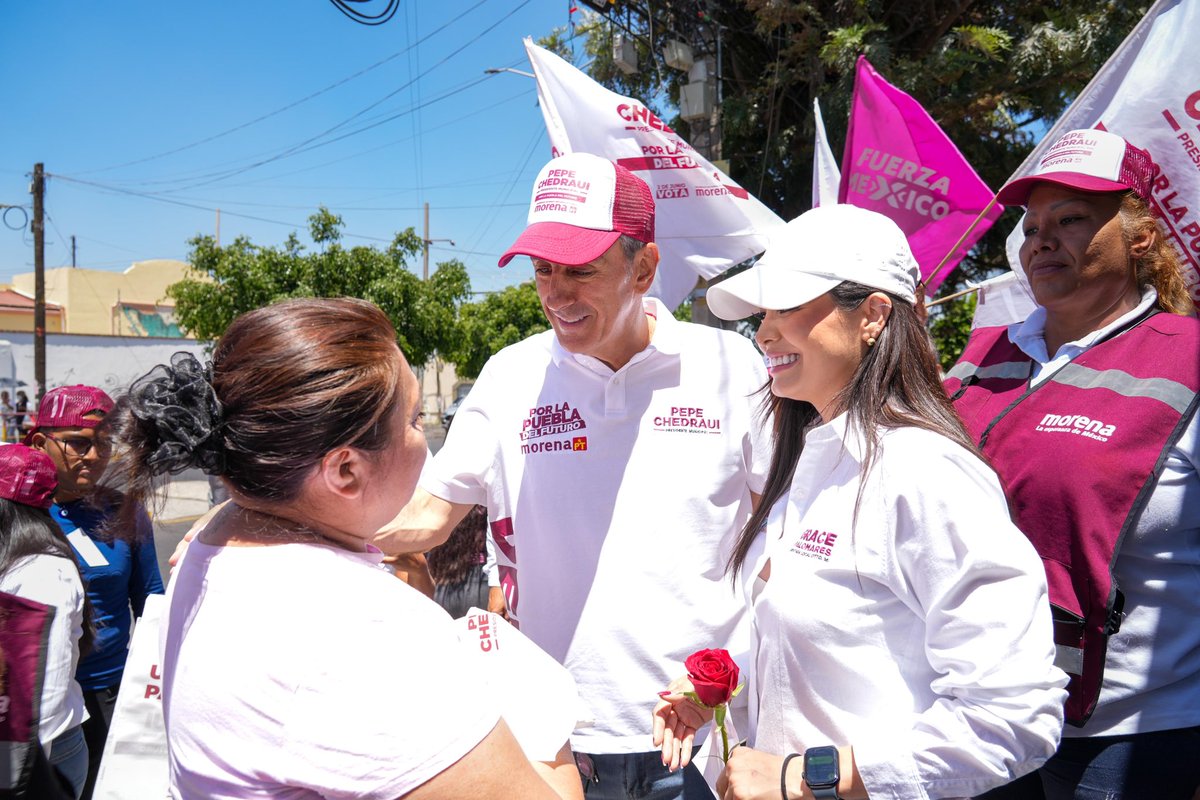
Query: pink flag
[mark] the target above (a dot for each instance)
(899, 163)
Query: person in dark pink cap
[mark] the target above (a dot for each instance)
(1087, 410)
(36, 563)
(616, 455)
(119, 566)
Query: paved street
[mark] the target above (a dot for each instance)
(187, 500)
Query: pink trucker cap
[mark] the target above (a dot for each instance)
(68, 407)
(581, 204)
(1088, 160)
(27, 476)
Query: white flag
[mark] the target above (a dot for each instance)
(705, 222)
(827, 177)
(1149, 93)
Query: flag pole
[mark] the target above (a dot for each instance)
(954, 296)
(974, 224)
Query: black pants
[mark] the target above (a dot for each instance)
(100, 705)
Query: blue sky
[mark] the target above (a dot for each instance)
(149, 116)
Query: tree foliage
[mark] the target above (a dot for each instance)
(994, 75)
(243, 276)
(486, 327)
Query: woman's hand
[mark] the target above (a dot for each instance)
(676, 720)
(754, 775)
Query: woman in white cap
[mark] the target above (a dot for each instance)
(1103, 378)
(903, 643)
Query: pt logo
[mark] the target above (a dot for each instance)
(579, 443)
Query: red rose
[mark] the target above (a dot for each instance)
(714, 676)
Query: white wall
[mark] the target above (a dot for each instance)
(110, 362)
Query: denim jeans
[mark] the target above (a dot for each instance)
(639, 776)
(69, 757)
(1160, 765)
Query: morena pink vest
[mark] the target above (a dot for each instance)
(1079, 454)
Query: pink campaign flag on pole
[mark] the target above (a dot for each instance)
(899, 163)
(1149, 93)
(705, 222)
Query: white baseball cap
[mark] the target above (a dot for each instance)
(814, 253)
(581, 205)
(1088, 160)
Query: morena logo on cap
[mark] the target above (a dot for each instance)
(1101, 155)
(580, 194)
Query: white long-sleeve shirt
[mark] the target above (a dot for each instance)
(55, 582)
(921, 635)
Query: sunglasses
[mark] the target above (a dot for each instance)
(81, 446)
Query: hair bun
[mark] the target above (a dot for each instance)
(179, 401)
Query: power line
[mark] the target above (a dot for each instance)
(346, 7)
(313, 143)
(287, 107)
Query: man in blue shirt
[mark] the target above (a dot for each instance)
(119, 567)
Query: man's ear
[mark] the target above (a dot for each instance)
(645, 266)
(38, 441)
(342, 472)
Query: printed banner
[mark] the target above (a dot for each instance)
(826, 175)
(705, 222)
(1149, 93)
(898, 162)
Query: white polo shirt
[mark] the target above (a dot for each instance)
(614, 500)
(921, 635)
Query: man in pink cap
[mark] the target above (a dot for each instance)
(120, 568)
(617, 455)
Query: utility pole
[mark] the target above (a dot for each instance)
(38, 189)
(72, 251)
(426, 241)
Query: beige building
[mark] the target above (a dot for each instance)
(129, 303)
(16, 312)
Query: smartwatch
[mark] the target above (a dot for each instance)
(821, 771)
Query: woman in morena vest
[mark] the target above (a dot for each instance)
(1087, 411)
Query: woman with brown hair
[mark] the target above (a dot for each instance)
(294, 666)
(902, 636)
(1087, 410)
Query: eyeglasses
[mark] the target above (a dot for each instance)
(81, 446)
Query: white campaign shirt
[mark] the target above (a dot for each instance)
(921, 635)
(304, 671)
(1152, 668)
(615, 498)
(55, 581)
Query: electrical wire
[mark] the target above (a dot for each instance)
(9, 225)
(313, 141)
(537, 138)
(289, 106)
(346, 7)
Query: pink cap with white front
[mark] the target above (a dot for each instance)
(1088, 160)
(581, 205)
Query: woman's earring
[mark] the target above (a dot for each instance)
(870, 341)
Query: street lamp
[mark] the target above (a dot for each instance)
(496, 70)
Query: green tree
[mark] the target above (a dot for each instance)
(500, 319)
(243, 276)
(994, 75)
